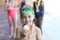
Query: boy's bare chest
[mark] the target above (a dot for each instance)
(32, 36)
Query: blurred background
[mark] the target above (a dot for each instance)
(51, 20)
(50, 23)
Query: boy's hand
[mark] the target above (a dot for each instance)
(26, 27)
(26, 30)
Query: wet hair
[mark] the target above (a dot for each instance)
(26, 9)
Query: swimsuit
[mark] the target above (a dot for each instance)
(11, 13)
(39, 13)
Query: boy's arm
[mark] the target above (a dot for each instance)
(17, 33)
(38, 35)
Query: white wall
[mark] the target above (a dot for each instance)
(51, 20)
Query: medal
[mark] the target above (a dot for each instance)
(26, 27)
(37, 10)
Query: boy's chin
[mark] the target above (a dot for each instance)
(27, 23)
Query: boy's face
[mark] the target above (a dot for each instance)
(27, 18)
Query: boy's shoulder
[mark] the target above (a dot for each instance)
(19, 29)
(37, 29)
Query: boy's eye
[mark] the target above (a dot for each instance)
(29, 16)
(24, 17)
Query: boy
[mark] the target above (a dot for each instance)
(28, 31)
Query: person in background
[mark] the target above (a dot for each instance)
(28, 31)
(11, 8)
(39, 12)
(27, 3)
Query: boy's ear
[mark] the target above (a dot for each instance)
(33, 16)
(34, 19)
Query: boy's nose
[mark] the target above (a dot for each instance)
(27, 19)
